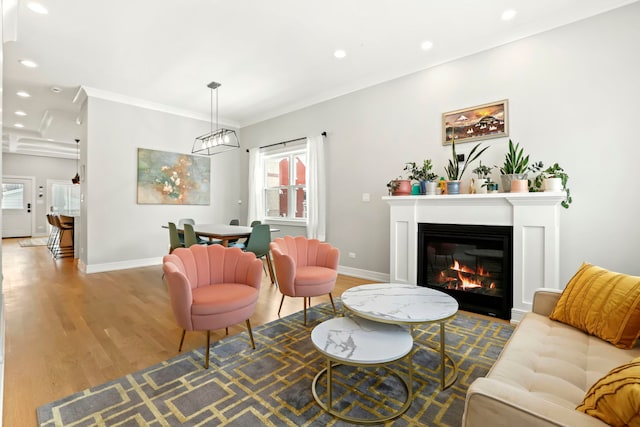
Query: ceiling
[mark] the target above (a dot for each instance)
(272, 57)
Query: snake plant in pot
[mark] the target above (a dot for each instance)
(454, 173)
(516, 167)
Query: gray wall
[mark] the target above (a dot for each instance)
(119, 232)
(573, 98)
(42, 168)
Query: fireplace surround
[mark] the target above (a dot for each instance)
(534, 218)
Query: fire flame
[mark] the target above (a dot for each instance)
(467, 278)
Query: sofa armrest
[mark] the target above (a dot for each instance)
(544, 300)
(494, 403)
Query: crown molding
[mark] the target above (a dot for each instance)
(90, 92)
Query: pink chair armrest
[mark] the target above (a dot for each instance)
(285, 268)
(179, 294)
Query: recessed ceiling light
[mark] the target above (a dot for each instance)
(20, 113)
(339, 53)
(37, 8)
(19, 125)
(426, 45)
(23, 94)
(508, 14)
(28, 63)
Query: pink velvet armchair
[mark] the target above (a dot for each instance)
(212, 287)
(305, 268)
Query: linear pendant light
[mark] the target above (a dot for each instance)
(218, 140)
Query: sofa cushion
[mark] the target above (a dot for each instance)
(602, 303)
(615, 398)
(554, 361)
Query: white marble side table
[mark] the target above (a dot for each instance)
(404, 304)
(364, 343)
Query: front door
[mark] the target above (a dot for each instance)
(17, 207)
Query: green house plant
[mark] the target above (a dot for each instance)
(483, 174)
(453, 171)
(399, 186)
(423, 174)
(516, 166)
(554, 178)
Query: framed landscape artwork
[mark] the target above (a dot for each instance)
(476, 123)
(173, 178)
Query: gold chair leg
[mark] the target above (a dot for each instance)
(332, 304)
(206, 363)
(280, 308)
(270, 266)
(184, 331)
(253, 344)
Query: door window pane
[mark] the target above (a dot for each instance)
(12, 196)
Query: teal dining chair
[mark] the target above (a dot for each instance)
(190, 237)
(199, 240)
(258, 243)
(174, 238)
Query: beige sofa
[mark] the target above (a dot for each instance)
(542, 374)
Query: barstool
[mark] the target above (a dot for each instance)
(61, 250)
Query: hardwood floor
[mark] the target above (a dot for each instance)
(67, 331)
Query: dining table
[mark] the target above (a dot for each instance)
(223, 232)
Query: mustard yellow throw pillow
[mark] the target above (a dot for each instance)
(602, 303)
(615, 398)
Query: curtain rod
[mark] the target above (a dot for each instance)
(285, 142)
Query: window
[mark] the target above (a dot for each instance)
(13, 196)
(65, 198)
(285, 188)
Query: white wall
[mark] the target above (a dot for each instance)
(42, 168)
(573, 99)
(119, 232)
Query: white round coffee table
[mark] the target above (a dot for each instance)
(364, 343)
(403, 304)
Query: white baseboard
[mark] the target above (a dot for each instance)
(364, 274)
(120, 265)
(146, 262)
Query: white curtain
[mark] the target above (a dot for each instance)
(316, 189)
(256, 184)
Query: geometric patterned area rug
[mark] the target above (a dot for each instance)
(271, 385)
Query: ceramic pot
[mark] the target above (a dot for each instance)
(432, 188)
(492, 187)
(519, 186)
(453, 187)
(506, 180)
(404, 188)
(553, 184)
(479, 185)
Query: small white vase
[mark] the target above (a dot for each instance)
(553, 184)
(480, 188)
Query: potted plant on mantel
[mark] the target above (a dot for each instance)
(453, 168)
(399, 186)
(424, 175)
(483, 174)
(554, 178)
(515, 169)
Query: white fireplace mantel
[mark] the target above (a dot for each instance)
(533, 216)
